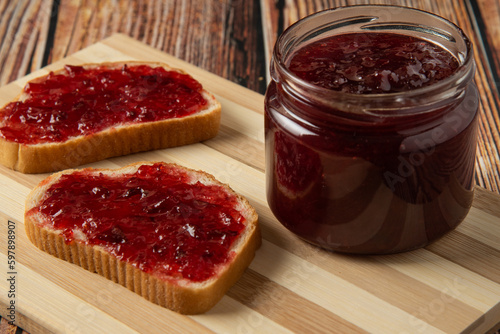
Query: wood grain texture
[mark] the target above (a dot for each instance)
(234, 39)
(451, 286)
(24, 31)
(488, 22)
(219, 35)
(196, 31)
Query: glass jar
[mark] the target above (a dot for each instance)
(371, 173)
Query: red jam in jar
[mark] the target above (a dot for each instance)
(81, 101)
(371, 129)
(158, 218)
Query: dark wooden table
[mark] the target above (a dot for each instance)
(233, 39)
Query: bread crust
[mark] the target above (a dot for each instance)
(181, 296)
(114, 141)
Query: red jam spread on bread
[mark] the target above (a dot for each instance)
(372, 63)
(81, 101)
(157, 218)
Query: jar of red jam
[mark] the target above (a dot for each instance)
(371, 129)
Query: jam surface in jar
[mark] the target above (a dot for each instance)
(81, 101)
(376, 184)
(372, 63)
(157, 219)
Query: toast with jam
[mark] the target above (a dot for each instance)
(173, 235)
(82, 114)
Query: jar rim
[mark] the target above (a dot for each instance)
(459, 77)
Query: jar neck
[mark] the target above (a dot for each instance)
(373, 107)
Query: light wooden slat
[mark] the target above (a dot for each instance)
(286, 307)
(73, 314)
(243, 319)
(453, 282)
(12, 196)
(332, 293)
(484, 227)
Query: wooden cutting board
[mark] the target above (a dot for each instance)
(451, 286)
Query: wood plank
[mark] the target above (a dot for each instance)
(291, 286)
(23, 28)
(487, 48)
(487, 20)
(218, 36)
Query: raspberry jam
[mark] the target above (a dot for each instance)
(81, 101)
(158, 219)
(371, 129)
(374, 63)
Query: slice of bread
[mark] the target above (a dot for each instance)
(116, 140)
(81, 245)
